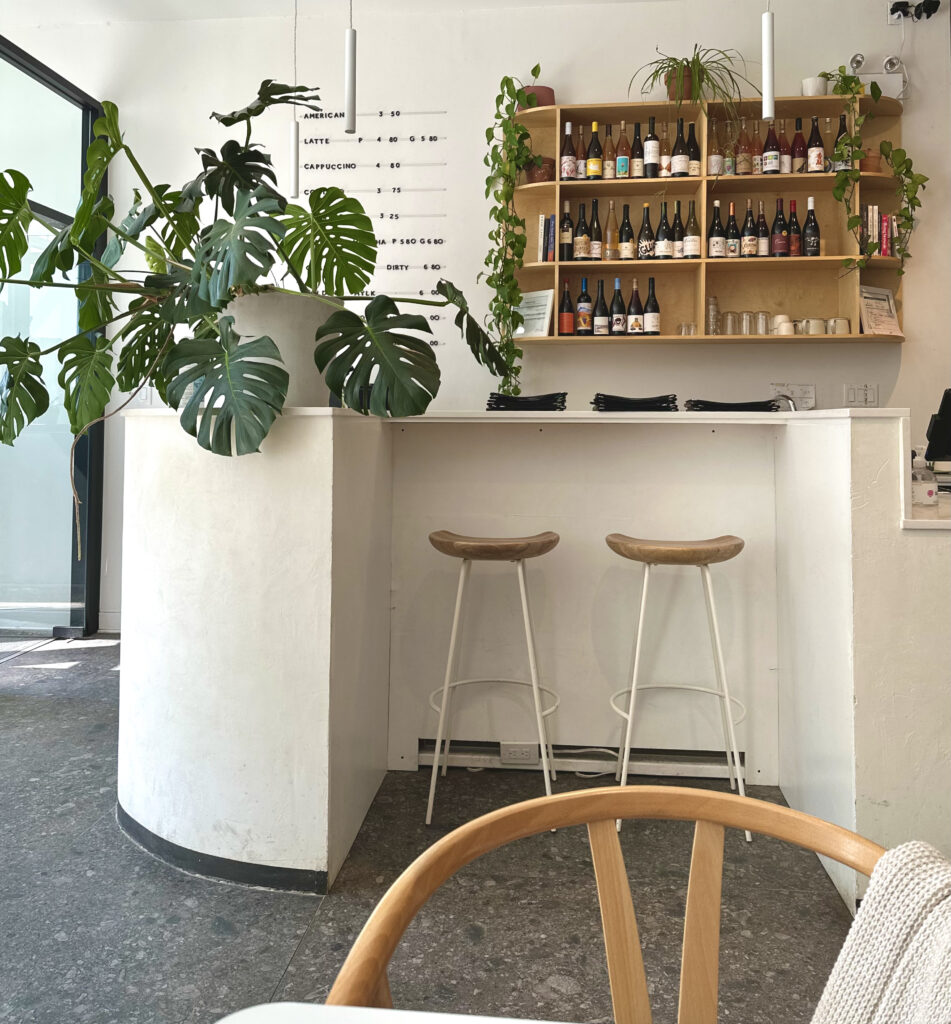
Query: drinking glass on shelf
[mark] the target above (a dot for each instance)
(746, 321)
(762, 321)
(713, 315)
(730, 323)
(687, 329)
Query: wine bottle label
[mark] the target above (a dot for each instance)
(602, 325)
(637, 168)
(652, 323)
(771, 161)
(565, 236)
(581, 170)
(691, 245)
(757, 163)
(582, 247)
(795, 245)
(715, 163)
(678, 249)
(583, 318)
(744, 163)
(785, 163)
(663, 248)
(664, 171)
(810, 246)
(680, 164)
(762, 246)
(732, 247)
(798, 164)
(612, 254)
(566, 323)
(618, 323)
(645, 249)
(623, 166)
(594, 167)
(652, 152)
(595, 250)
(815, 159)
(748, 245)
(729, 165)
(717, 246)
(569, 167)
(610, 168)
(635, 323)
(841, 165)
(626, 251)
(693, 168)
(779, 244)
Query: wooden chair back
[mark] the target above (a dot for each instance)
(362, 980)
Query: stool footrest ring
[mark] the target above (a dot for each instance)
(514, 682)
(677, 686)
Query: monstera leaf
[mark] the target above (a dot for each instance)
(144, 340)
(86, 378)
(239, 168)
(102, 149)
(15, 217)
(271, 94)
(240, 386)
(58, 255)
(234, 254)
(479, 342)
(23, 395)
(349, 351)
(332, 244)
(96, 303)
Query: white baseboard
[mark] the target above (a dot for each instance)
(108, 622)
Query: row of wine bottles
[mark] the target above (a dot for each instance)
(784, 238)
(620, 318)
(652, 158)
(673, 240)
(749, 153)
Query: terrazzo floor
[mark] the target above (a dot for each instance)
(94, 930)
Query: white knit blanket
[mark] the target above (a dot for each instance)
(895, 964)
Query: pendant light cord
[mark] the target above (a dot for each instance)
(295, 42)
(351, 13)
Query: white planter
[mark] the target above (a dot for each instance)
(815, 86)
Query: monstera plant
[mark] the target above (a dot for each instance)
(227, 232)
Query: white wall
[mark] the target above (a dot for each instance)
(166, 77)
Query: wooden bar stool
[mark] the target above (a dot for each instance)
(703, 554)
(491, 549)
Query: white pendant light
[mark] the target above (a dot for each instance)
(294, 136)
(350, 77)
(769, 85)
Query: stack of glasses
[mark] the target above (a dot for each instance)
(703, 405)
(713, 315)
(554, 402)
(618, 403)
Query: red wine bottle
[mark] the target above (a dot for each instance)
(800, 151)
(566, 313)
(732, 234)
(651, 310)
(581, 245)
(602, 316)
(626, 243)
(677, 232)
(810, 231)
(664, 241)
(566, 236)
(795, 231)
(618, 312)
(762, 232)
(748, 234)
(716, 237)
(651, 152)
(815, 151)
(596, 253)
(771, 151)
(584, 311)
(679, 157)
(645, 238)
(635, 313)
(637, 153)
(779, 233)
(593, 160)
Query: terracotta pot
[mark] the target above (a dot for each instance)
(671, 82)
(872, 162)
(546, 172)
(546, 96)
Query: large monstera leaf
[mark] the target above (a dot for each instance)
(58, 255)
(271, 94)
(349, 351)
(332, 244)
(240, 385)
(144, 340)
(96, 303)
(235, 254)
(480, 344)
(238, 168)
(86, 378)
(15, 217)
(101, 151)
(23, 395)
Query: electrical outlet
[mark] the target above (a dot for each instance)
(891, 19)
(518, 753)
(860, 395)
(804, 395)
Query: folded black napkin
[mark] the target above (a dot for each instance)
(702, 405)
(554, 402)
(619, 403)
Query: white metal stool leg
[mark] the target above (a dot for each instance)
(733, 752)
(450, 672)
(533, 668)
(624, 755)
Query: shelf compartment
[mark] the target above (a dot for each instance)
(717, 339)
(586, 267)
(641, 188)
(805, 106)
(753, 184)
(783, 264)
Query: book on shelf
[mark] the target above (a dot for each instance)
(542, 228)
(550, 251)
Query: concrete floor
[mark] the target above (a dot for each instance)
(95, 931)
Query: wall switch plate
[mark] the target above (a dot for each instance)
(518, 753)
(860, 395)
(804, 395)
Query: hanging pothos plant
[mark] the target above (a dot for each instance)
(171, 325)
(850, 150)
(510, 153)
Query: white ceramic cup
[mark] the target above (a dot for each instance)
(815, 86)
(784, 328)
(780, 318)
(837, 325)
(813, 325)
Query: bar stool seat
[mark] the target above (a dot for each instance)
(676, 552)
(493, 549)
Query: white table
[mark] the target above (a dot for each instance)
(311, 1013)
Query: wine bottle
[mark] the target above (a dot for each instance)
(748, 234)
(651, 152)
(744, 150)
(677, 232)
(602, 316)
(771, 151)
(609, 164)
(762, 232)
(779, 233)
(623, 153)
(664, 242)
(785, 150)
(800, 151)
(664, 151)
(714, 152)
(810, 230)
(693, 152)
(756, 145)
(795, 231)
(581, 244)
(566, 235)
(693, 245)
(566, 313)
(716, 237)
(841, 164)
(618, 312)
(637, 153)
(635, 313)
(815, 152)
(612, 249)
(569, 164)
(625, 236)
(651, 310)
(596, 239)
(679, 157)
(729, 157)
(584, 311)
(581, 156)
(645, 237)
(593, 159)
(828, 142)
(732, 234)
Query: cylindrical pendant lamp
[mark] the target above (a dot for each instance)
(350, 81)
(769, 85)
